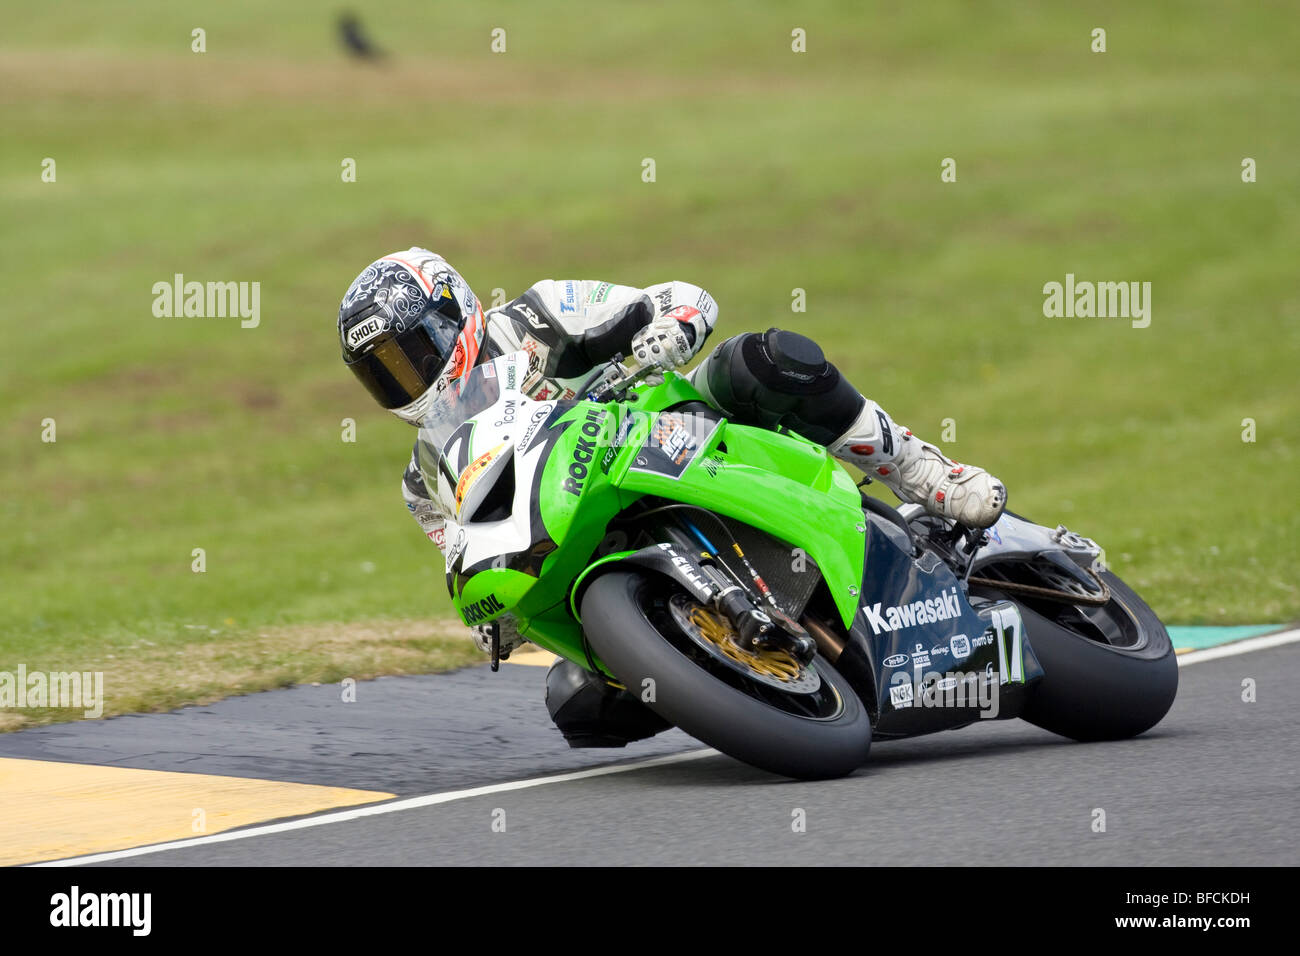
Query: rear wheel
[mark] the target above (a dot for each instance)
(1110, 672)
(766, 709)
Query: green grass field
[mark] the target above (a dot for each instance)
(775, 170)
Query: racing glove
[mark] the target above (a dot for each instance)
(685, 316)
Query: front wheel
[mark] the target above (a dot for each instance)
(767, 710)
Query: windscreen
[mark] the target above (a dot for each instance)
(446, 429)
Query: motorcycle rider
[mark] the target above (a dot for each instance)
(410, 327)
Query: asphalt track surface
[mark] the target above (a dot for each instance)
(1214, 784)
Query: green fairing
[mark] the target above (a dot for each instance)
(780, 483)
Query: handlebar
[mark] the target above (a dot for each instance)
(615, 378)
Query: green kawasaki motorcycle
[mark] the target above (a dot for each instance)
(742, 585)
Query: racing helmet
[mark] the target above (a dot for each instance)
(409, 326)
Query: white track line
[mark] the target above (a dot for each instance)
(1239, 647)
(392, 806)
(429, 800)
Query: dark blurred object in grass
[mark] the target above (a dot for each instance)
(355, 40)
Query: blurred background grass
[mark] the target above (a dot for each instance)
(775, 170)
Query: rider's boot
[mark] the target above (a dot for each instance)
(918, 472)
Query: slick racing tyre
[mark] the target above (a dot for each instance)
(766, 709)
(1109, 672)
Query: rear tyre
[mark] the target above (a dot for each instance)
(809, 734)
(1109, 672)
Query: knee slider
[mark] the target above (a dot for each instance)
(782, 379)
(791, 362)
(591, 713)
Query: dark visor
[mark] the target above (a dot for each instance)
(403, 366)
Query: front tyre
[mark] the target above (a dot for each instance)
(807, 726)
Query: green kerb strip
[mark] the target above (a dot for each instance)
(1195, 638)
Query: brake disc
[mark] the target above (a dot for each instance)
(717, 636)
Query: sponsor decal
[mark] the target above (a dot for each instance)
(474, 472)
(439, 537)
(538, 352)
(705, 303)
(600, 293)
(534, 423)
(363, 332)
(938, 651)
(568, 298)
(665, 299)
(472, 613)
(624, 429)
(896, 660)
(525, 311)
(960, 646)
(512, 376)
(608, 458)
(673, 442)
(457, 547)
(947, 683)
(984, 640)
(921, 658)
(508, 412)
(928, 611)
(584, 451)
(901, 695)
(701, 584)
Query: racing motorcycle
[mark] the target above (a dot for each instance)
(743, 587)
